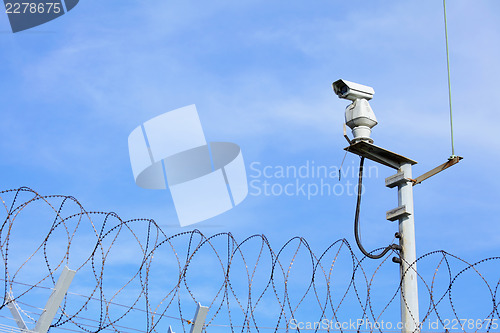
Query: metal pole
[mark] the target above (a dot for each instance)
(199, 318)
(408, 269)
(55, 299)
(11, 304)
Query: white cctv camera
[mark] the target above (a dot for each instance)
(359, 115)
(352, 91)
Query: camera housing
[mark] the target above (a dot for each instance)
(359, 115)
(352, 91)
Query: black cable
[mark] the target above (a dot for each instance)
(356, 220)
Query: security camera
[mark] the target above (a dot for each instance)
(352, 91)
(359, 115)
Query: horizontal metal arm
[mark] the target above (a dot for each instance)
(452, 161)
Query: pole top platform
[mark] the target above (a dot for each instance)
(379, 155)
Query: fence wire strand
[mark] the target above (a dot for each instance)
(132, 276)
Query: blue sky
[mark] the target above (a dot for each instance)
(260, 74)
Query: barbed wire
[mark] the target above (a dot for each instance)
(134, 277)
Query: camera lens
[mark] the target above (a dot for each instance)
(344, 90)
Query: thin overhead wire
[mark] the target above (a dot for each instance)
(449, 79)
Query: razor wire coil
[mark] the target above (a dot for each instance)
(134, 277)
